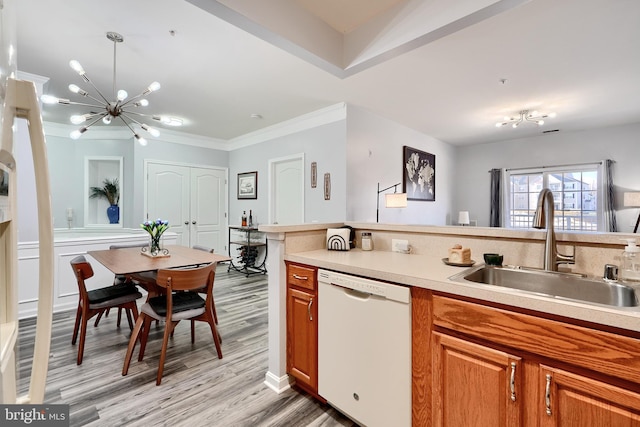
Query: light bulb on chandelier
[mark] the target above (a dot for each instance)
(525, 116)
(120, 107)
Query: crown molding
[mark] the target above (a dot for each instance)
(123, 133)
(324, 116)
(311, 120)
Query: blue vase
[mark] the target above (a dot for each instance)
(113, 212)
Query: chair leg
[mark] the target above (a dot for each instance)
(215, 314)
(95, 324)
(83, 335)
(119, 317)
(132, 344)
(128, 313)
(77, 325)
(216, 339)
(145, 336)
(168, 328)
(193, 331)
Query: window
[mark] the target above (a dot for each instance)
(575, 195)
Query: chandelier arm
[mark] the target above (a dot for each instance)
(84, 104)
(96, 120)
(130, 118)
(127, 124)
(93, 97)
(86, 78)
(130, 100)
(138, 114)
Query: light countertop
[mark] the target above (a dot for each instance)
(430, 272)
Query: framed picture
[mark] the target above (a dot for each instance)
(419, 172)
(248, 185)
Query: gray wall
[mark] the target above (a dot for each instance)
(619, 143)
(375, 154)
(325, 145)
(67, 159)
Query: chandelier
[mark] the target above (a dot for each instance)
(120, 107)
(525, 116)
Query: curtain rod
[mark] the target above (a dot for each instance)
(554, 166)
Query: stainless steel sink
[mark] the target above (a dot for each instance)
(559, 285)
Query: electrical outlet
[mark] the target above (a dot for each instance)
(398, 245)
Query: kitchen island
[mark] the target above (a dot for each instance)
(611, 333)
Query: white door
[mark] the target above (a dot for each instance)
(287, 190)
(168, 197)
(192, 199)
(207, 208)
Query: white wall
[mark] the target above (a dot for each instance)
(375, 154)
(619, 143)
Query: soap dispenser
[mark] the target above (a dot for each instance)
(630, 269)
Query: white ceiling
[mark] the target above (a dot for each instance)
(432, 65)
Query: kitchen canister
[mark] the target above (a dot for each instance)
(367, 243)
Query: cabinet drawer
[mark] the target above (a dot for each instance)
(304, 277)
(600, 351)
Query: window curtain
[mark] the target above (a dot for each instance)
(609, 212)
(495, 217)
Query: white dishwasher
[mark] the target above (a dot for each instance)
(364, 348)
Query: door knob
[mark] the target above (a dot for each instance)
(186, 223)
(193, 222)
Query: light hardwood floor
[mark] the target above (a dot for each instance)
(197, 388)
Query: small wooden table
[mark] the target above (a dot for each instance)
(130, 260)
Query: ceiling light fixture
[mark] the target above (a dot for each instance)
(120, 107)
(525, 116)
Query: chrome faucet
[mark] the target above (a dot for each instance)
(543, 218)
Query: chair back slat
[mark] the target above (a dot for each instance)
(204, 248)
(130, 245)
(81, 268)
(187, 279)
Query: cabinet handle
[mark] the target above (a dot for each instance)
(295, 276)
(512, 382)
(547, 395)
(309, 310)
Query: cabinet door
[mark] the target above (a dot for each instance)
(571, 400)
(474, 385)
(302, 338)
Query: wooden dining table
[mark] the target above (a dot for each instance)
(132, 262)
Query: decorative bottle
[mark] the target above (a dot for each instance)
(244, 218)
(250, 218)
(630, 269)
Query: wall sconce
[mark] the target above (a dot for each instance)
(632, 200)
(392, 200)
(463, 218)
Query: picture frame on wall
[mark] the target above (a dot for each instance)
(248, 185)
(419, 174)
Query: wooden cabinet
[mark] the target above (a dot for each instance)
(571, 400)
(302, 326)
(474, 385)
(497, 367)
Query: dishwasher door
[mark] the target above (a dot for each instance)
(364, 349)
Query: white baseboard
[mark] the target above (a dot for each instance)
(277, 384)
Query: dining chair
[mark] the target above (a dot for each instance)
(119, 279)
(97, 301)
(181, 301)
(213, 303)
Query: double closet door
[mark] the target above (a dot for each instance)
(192, 199)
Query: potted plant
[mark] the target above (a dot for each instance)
(110, 191)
